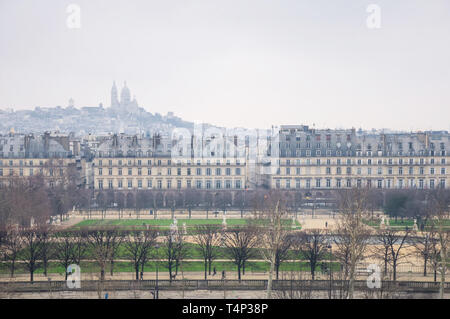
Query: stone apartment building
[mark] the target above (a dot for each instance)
(291, 157)
(332, 159)
(54, 156)
(132, 162)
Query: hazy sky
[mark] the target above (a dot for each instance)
(249, 63)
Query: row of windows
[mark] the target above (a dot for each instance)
(208, 171)
(162, 162)
(208, 184)
(338, 183)
(22, 163)
(32, 172)
(287, 152)
(359, 171)
(359, 161)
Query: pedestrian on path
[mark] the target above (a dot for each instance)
(214, 271)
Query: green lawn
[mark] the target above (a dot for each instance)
(165, 223)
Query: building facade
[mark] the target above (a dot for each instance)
(296, 157)
(333, 159)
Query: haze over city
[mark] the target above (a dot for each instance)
(233, 63)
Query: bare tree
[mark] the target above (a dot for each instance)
(80, 243)
(440, 201)
(175, 251)
(272, 212)
(47, 248)
(138, 244)
(239, 246)
(423, 243)
(392, 244)
(353, 234)
(312, 246)
(64, 249)
(101, 242)
(207, 238)
(12, 244)
(116, 240)
(32, 250)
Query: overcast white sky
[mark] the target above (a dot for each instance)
(249, 63)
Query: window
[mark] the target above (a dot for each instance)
(179, 184)
(149, 183)
(238, 171)
(199, 171)
(139, 183)
(238, 184)
(110, 184)
(100, 184)
(130, 183)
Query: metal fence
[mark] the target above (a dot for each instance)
(114, 285)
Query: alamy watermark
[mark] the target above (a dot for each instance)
(374, 19)
(73, 277)
(374, 279)
(73, 20)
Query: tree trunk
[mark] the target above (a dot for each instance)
(13, 266)
(269, 282)
(239, 272)
(112, 268)
(425, 267)
(394, 270)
